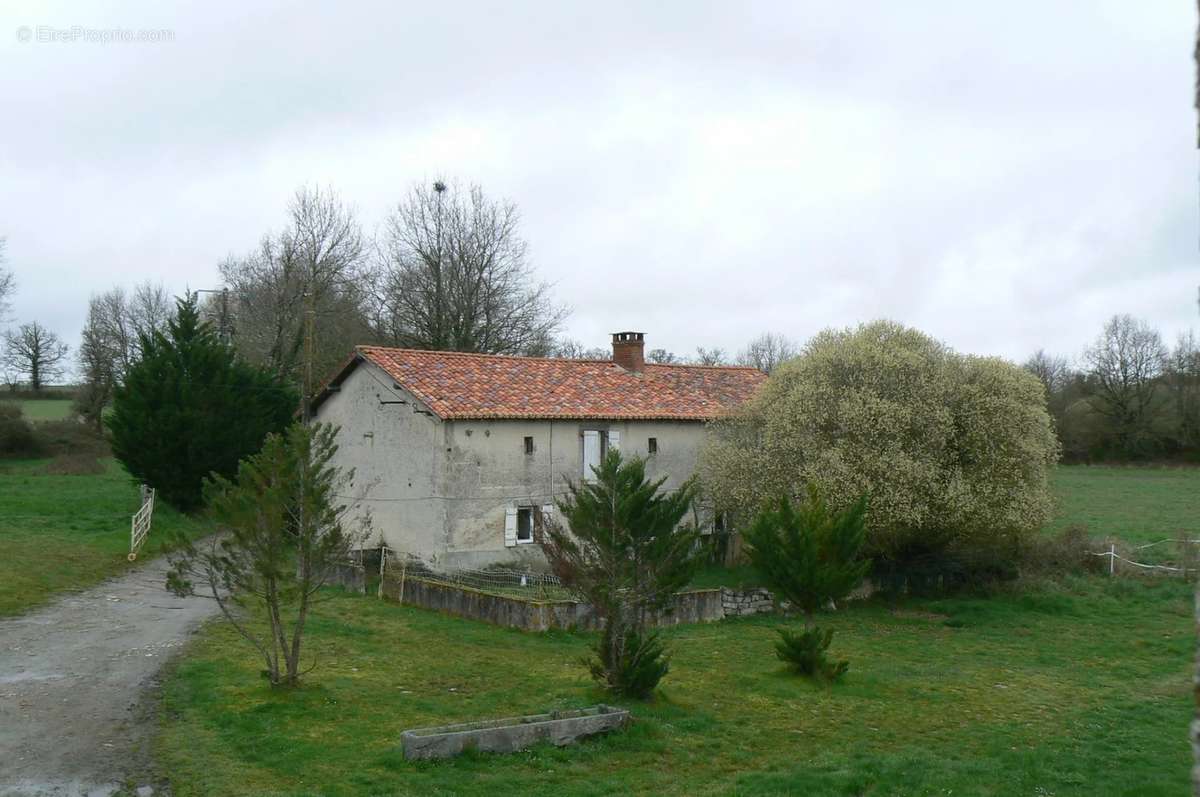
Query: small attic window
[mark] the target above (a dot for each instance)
(528, 445)
(652, 445)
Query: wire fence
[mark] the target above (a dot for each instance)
(1186, 555)
(496, 580)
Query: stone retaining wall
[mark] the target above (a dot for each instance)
(738, 603)
(695, 606)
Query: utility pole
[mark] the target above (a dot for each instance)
(309, 333)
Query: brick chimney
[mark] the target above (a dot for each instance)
(628, 351)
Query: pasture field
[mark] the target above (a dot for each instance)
(1136, 504)
(40, 410)
(1080, 686)
(61, 532)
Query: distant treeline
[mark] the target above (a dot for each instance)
(1131, 397)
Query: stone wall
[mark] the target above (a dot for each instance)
(738, 603)
(695, 606)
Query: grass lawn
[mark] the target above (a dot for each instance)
(64, 532)
(1076, 688)
(1080, 689)
(1134, 504)
(38, 410)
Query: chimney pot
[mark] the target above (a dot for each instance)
(629, 351)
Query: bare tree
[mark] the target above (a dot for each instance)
(319, 252)
(454, 275)
(112, 339)
(35, 352)
(1124, 363)
(661, 356)
(713, 356)
(571, 349)
(1053, 371)
(8, 284)
(767, 352)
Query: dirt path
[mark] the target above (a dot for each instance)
(74, 681)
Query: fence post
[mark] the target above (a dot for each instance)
(1112, 558)
(403, 573)
(382, 569)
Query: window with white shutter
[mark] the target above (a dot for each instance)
(591, 453)
(614, 441)
(510, 527)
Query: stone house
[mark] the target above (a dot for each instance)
(459, 457)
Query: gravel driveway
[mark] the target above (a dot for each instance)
(75, 678)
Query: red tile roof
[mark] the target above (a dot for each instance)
(459, 385)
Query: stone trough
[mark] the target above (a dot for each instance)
(512, 733)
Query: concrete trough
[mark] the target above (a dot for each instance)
(512, 733)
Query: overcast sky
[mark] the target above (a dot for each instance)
(1004, 176)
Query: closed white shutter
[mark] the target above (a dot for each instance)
(614, 440)
(510, 527)
(591, 454)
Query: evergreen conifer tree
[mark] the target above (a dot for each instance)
(190, 407)
(623, 547)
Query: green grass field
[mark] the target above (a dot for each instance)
(1081, 687)
(69, 532)
(38, 410)
(1134, 504)
(1081, 690)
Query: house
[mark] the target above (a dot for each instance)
(458, 457)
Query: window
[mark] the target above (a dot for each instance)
(525, 524)
(652, 445)
(528, 445)
(596, 445)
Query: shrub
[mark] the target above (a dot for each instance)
(954, 450)
(806, 653)
(810, 556)
(17, 437)
(631, 666)
(1070, 551)
(69, 438)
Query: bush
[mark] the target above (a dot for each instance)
(954, 450)
(806, 653)
(810, 556)
(71, 438)
(17, 437)
(1070, 551)
(631, 668)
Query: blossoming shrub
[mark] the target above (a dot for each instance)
(953, 450)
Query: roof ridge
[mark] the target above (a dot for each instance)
(444, 352)
(441, 352)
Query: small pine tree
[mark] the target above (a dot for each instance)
(624, 549)
(810, 556)
(281, 539)
(189, 407)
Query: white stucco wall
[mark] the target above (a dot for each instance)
(396, 453)
(439, 489)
